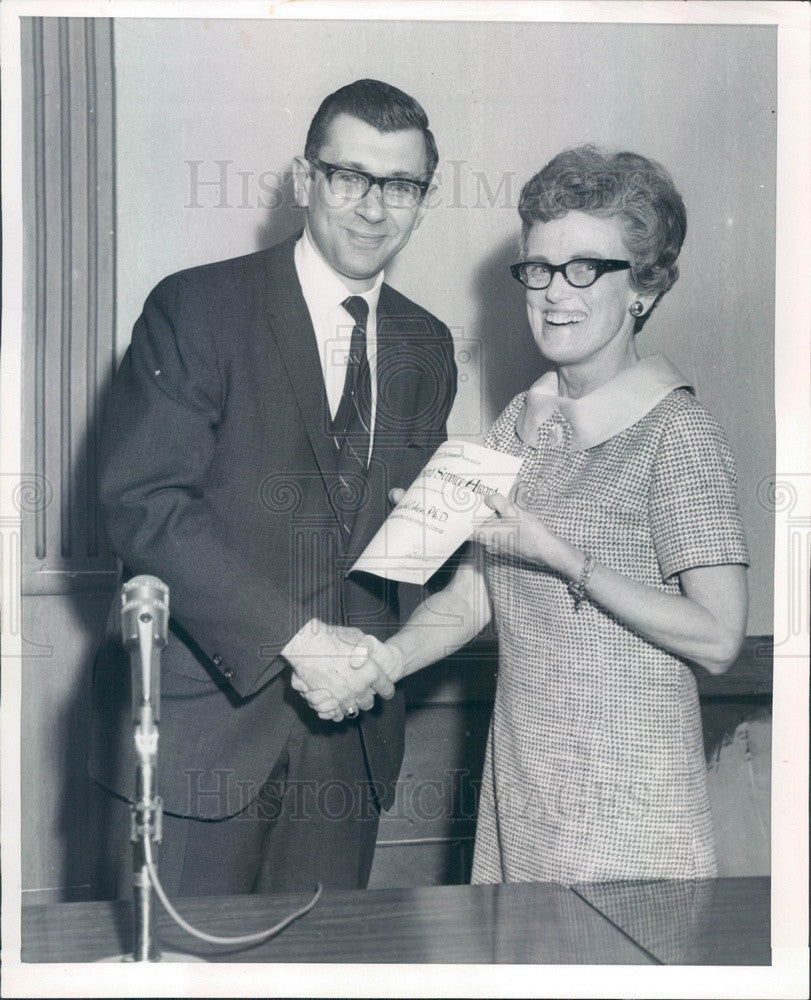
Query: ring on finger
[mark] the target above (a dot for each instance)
(352, 712)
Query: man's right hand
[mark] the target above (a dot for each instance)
(320, 657)
(384, 656)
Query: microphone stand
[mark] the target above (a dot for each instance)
(144, 620)
(144, 627)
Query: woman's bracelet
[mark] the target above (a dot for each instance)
(578, 590)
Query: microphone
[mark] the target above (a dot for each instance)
(144, 626)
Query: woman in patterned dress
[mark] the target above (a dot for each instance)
(615, 569)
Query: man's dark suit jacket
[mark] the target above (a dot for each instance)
(218, 475)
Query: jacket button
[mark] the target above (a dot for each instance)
(216, 659)
(228, 673)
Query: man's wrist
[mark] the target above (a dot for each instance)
(298, 643)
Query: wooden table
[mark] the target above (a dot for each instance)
(722, 921)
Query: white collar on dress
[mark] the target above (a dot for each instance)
(605, 412)
(323, 289)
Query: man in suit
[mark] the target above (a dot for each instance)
(264, 410)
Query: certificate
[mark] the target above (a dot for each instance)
(439, 511)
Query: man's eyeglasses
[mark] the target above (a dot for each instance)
(580, 272)
(349, 184)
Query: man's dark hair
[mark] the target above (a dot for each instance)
(380, 105)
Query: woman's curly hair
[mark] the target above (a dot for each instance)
(637, 191)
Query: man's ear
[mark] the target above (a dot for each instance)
(425, 204)
(302, 179)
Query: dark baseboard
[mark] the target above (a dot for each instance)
(749, 676)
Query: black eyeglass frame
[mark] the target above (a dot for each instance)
(329, 169)
(601, 267)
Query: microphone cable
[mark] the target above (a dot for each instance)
(244, 939)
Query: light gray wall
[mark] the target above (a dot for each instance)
(502, 99)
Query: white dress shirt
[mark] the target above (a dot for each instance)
(324, 292)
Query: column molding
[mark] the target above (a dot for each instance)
(69, 335)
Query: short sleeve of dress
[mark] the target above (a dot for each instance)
(502, 436)
(694, 513)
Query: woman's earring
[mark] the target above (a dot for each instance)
(636, 308)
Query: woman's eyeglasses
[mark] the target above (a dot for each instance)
(580, 272)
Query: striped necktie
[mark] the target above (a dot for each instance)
(351, 426)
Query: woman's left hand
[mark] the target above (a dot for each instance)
(705, 623)
(513, 531)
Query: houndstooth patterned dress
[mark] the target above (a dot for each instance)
(595, 767)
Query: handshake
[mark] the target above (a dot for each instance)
(339, 670)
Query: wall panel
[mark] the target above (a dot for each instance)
(67, 569)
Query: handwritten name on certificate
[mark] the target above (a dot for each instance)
(439, 511)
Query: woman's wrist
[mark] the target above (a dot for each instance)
(578, 588)
(395, 665)
(566, 559)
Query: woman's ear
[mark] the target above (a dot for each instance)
(642, 304)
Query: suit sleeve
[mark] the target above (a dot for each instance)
(158, 442)
(450, 380)
(439, 389)
(427, 420)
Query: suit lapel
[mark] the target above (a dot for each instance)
(292, 328)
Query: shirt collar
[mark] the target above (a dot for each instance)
(605, 412)
(322, 288)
